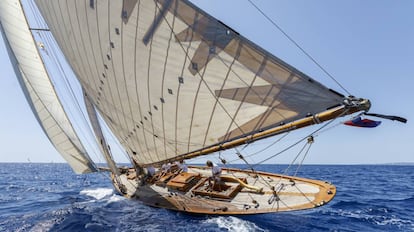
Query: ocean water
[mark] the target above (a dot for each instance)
(50, 197)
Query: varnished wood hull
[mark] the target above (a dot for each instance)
(271, 192)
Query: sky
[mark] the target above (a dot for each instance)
(367, 46)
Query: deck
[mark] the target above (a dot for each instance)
(241, 192)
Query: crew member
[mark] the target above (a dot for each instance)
(215, 175)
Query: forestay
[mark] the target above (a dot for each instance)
(37, 87)
(169, 79)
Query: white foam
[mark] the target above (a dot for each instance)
(42, 226)
(401, 223)
(98, 193)
(115, 198)
(382, 220)
(233, 224)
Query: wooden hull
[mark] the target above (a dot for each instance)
(241, 192)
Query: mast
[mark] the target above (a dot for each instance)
(100, 139)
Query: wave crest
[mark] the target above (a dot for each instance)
(233, 224)
(99, 193)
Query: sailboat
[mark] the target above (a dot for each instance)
(172, 84)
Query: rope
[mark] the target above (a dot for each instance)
(296, 143)
(262, 150)
(296, 157)
(310, 142)
(298, 46)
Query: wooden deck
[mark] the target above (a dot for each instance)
(241, 192)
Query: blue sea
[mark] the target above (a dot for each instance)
(50, 197)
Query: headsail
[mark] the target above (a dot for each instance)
(169, 79)
(37, 87)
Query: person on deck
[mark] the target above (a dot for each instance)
(150, 173)
(215, 174)
(182, 166)
(165, 168)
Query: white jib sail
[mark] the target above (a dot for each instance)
(37, 87)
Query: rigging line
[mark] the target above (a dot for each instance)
(107, 132)
(296, 157)
(252, 168)
(262, 150)
(298, 46)
(83, 46)
(70, 139)
(234, 175)
(304, 195)
(275, 197)
(69, 87)
(49, 40)
(73, 22)
(248, 164)
(63, 72)
(296, 143)
(90, 130)
(241, 157)
(284, 203)
(331, 127)
(202, 79)
(310, 142)
(40, 21)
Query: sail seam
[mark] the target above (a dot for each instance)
(113, 77)
(132, 129)
(141, 123)
(149, 88)
(217, 98)
(163, 79)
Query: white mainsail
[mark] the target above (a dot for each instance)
(37, 87)
(169, 79)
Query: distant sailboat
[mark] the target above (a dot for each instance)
(173, 83)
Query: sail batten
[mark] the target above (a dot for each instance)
(169, 79)
(38, 89)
